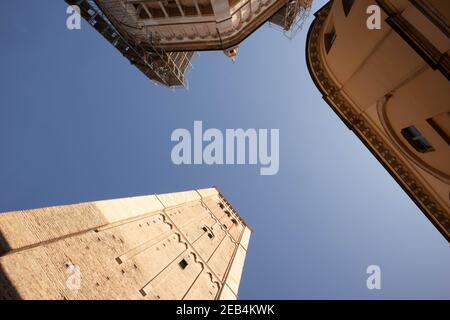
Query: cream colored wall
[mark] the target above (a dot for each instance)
(436, 187)
(368, 64)
(234, 277)
(423, 97)
(431, 32)
(126, 249)
(353, 43)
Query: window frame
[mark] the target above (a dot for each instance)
(416, 139)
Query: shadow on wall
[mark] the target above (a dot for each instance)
(7, 290)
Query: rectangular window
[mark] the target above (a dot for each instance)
(183, 264)
(441, 124)
(416, 140)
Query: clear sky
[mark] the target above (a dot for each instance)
(79, 123)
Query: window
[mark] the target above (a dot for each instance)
(441, 124)
(183, 264)
(205, 229)
(330, 37)
(227, 213)
(221, 205)
(347, 4)
(416, 140)
(210, 235)
(234, 221)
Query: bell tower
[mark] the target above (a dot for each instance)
(184, 245)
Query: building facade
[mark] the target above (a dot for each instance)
(160, 36)
(185, 245)
(390, 85)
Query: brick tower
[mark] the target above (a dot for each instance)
(185, 245)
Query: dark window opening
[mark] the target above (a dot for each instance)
(330, 37)
(141, 12)
(221, 205)
(234, 221)
(206, 9)
(210, 235)
(183, 264)
(347, 4)
(189, 11)
(416, 140)
(228, 213)
(171, 8)
(204, 229)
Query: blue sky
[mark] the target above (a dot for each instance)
(79, 123)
